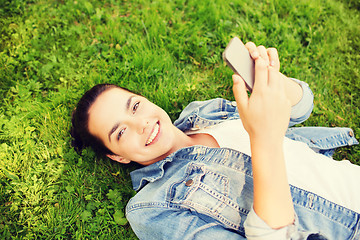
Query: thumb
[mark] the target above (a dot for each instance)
(240, 93)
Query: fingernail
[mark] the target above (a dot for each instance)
(255, 54)
(272, 63)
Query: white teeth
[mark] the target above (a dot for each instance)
(153, 134)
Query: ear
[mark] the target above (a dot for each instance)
(118, 158)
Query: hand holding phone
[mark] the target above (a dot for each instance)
(238, 58)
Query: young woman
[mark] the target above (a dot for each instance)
(228, 170)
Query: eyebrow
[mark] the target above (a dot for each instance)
(129, 101)
(127, 106)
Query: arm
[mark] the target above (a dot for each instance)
(265, 116)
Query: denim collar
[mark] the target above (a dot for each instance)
(150, 173)
(155, 171)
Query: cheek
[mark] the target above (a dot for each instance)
(126, 146)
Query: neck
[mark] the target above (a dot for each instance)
(203, 139)
(183, 140)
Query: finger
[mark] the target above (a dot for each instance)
(261, 75)
(254, 53)
(240, 94)
(263, 53)
(274, 58)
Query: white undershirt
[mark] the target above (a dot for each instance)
(337, 181)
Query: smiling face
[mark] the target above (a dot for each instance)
(132, 127)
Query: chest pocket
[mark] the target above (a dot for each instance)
(206, 192)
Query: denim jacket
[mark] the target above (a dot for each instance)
(206, 193)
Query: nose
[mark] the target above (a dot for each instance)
(140, 125)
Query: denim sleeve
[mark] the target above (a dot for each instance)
(177, 224)
(302, 110)
(257, 229)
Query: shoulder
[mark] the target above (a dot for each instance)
(217, 109)
(215, 104)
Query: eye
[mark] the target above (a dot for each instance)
(135, 107)
(120, 133)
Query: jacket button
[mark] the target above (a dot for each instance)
(351, 133)
(233, 103)
(189, 182)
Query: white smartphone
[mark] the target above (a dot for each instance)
(238, 58)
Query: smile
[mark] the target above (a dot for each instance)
(153, 135)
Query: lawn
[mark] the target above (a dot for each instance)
(51, 52)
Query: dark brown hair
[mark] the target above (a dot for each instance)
(81, 137)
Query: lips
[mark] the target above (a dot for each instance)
(154, 134)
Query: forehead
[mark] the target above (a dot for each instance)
(106, 110)
(113, 97)
(109, 95)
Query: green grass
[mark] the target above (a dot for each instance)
(51, 52)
